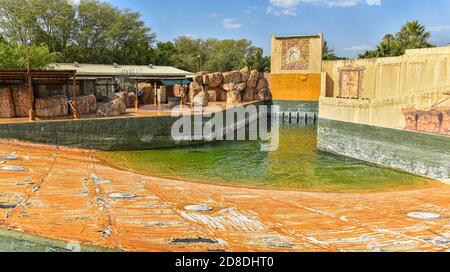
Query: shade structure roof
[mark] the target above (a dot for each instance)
(122, 70)
(175, 82)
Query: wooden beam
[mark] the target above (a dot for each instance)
(75, 100)
(136, 102)
(32, 112)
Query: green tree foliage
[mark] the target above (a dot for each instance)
(411, 36)
(17, 56)
(163, 53)
(256, 60)
(97, 32)
(211, 55)
(91, 31)
(328, 53)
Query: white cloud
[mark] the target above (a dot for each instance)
(231, 23)
(439, 28)
(359, 48)
(373, 2)
(290, 7)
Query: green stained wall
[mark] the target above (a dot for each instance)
(107, 134)
(418, 153)
(297, 106)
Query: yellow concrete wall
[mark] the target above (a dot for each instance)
(295, 87)
(315, 54)
(419, 78)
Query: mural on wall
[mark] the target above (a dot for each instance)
(295, 54)
(435, 119)
(351, 82)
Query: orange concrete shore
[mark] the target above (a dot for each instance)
(56, 197)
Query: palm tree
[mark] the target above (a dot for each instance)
(328, 52)
(413, 35)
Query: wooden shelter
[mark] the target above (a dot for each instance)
(35, 78)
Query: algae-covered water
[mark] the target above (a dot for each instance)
(295, 165)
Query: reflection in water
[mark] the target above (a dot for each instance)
(295, 165)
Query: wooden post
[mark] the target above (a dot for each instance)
(75, 100)
(156, 95)
(182, 92)
(136, 103)
(32, 112)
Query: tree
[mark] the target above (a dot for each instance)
(411, 36)
(163, 53)
(14, 56)
(227, 55)
(256, 60)
(328, 52)
(17, 21)
(55, 21)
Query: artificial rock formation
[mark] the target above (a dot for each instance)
(201, 100)
(54, 106)
(128, 98)
(22, 101)
(115, 107)
(148, 96)
(87, 104)
(234, 87)
(6, 104)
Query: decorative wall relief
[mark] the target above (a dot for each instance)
(435, 119)
(295, 54)
(351, 83)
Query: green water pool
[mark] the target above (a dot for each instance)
(295, 165)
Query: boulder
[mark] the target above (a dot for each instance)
(148, 96)
(233, 97)
(6, 104)
(252, 81)
(194, 89)
(249, 94)
(22, 101)
(201, 100)
(131, 100)
(232, 77)
(198, 77)
(221, 94)
(212, 95)
(215, 79)
(228, 87)
(53, 106)
(241, 87)
(116, 107)
(245, 72)
(264, 95)
(262, 84)
(87, 104)
(205, 80)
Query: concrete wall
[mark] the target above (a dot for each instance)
(108, 134)
(300, 82)
(362, 114)
(315, 54)
(419, 78)
(418, 153)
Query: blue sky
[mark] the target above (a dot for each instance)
(350, 26)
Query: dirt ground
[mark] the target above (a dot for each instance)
(69, 195)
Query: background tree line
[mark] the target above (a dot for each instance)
(97, 32)
(412, 35)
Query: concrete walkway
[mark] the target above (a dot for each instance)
(68, 195)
